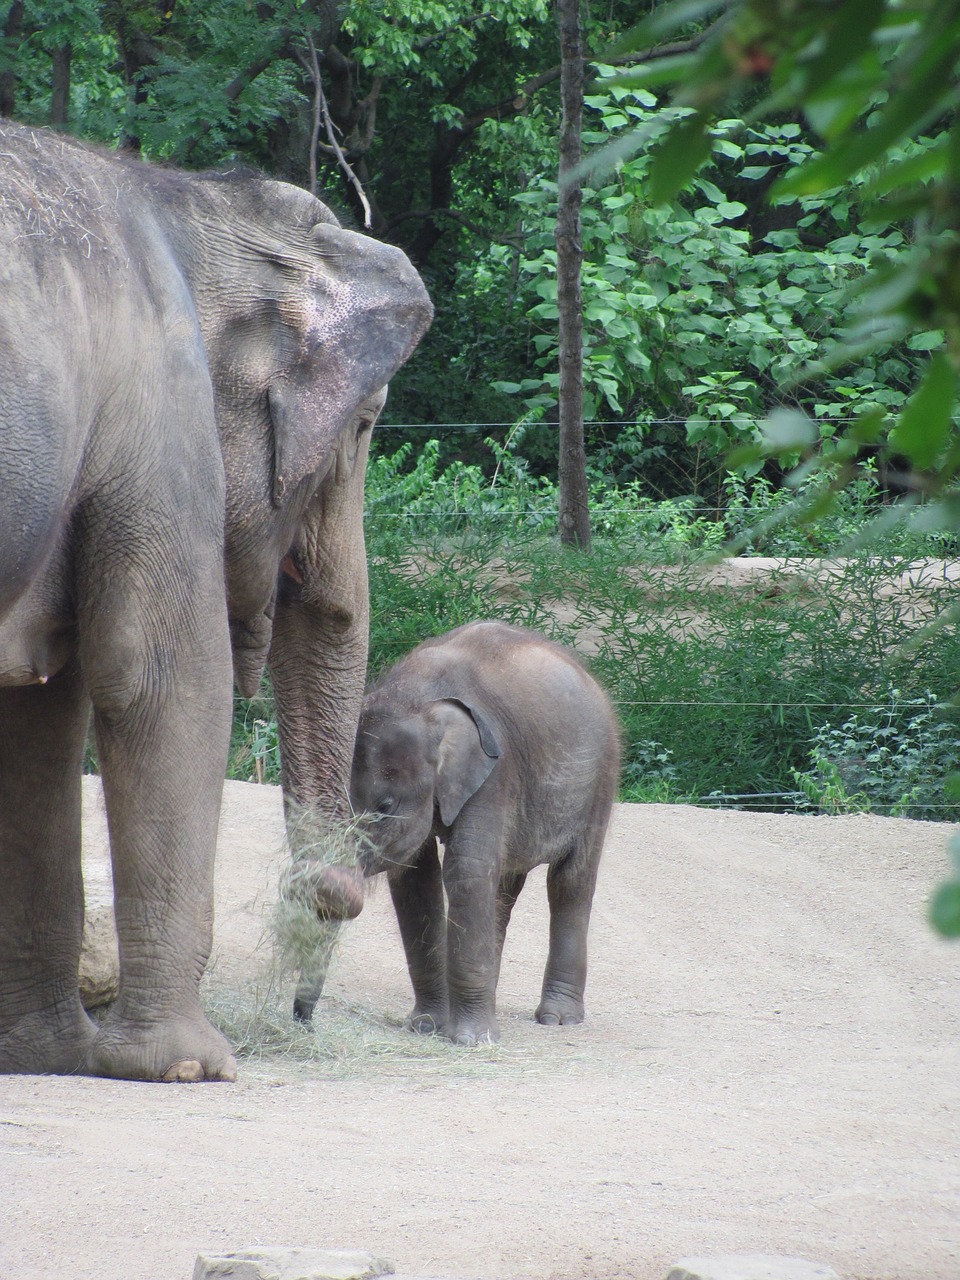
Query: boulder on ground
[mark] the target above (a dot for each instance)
(99, 961)
(750, 1267)
(286, 1263)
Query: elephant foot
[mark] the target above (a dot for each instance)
(47, 1043)
(473, 1031)
(184, 1049)
(424, 1023)
(559, 1009)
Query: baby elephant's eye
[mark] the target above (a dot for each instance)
(385, 806)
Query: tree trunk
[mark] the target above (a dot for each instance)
(574, 514)
(11, 38)
(60, 95)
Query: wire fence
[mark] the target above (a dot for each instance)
(797, 802)
(621, 424)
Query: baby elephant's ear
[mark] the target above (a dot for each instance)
(466, 756)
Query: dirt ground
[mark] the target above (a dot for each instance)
(770, 1064)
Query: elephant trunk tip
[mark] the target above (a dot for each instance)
(332, 891)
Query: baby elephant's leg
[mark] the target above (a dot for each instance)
(570, 885)
(417, 894)
(470, 881)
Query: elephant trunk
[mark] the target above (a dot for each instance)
(318, 661)
(317, 679)
(318, 685)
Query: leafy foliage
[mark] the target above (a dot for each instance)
(702, 308)
(705, 309)
(895, 758)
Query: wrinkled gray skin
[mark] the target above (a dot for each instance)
(496, 742)
(190, 368)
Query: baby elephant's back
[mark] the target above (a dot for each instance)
(555, 725)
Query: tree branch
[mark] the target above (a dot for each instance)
(320, 109)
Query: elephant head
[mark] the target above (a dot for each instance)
(409, 766)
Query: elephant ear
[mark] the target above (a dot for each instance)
(467, 753)
(355, 317)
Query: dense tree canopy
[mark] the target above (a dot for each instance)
(697, 313)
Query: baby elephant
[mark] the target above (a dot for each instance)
(496, 741)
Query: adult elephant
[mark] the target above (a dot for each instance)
(190, 367)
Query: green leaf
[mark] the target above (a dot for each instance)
(929, 341)
(678, 158)
(786, 430)
(945, 909)
(925, 423)
(661, 71)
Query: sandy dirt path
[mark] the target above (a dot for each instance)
(770, 1063)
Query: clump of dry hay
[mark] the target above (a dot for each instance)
(345, 1039)
(297, 948)
(303, 941)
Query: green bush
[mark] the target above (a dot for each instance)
(894, 758)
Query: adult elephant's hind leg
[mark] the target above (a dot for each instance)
(43, 1028)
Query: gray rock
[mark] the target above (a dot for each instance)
(99, 962)
(750, 1267)
(284, 1263)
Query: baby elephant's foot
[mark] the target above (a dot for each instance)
(559, 1009)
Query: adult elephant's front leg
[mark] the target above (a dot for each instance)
(155, 651)
(43, 1028)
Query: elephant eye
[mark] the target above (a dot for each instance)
(385, 806)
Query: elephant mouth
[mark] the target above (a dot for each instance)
(289, 569)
